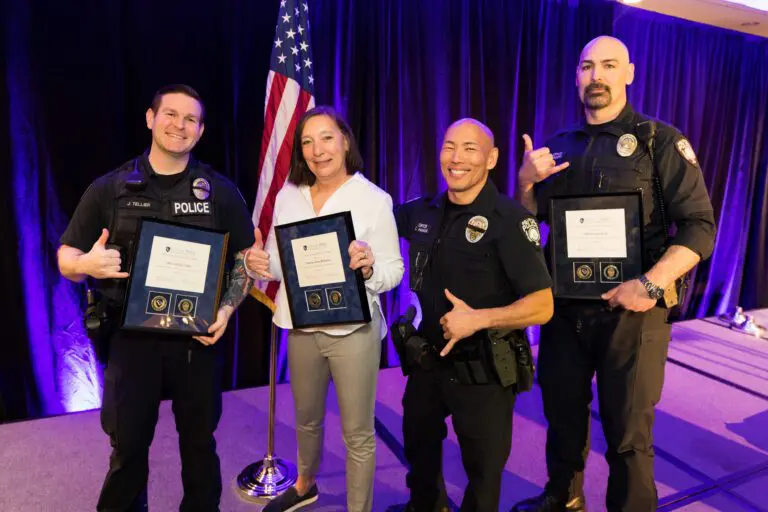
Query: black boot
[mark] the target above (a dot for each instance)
(545, 502)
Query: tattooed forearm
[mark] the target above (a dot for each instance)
(239, 283)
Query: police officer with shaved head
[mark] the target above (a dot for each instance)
(477, 268)
(623, 338)
(166, 183)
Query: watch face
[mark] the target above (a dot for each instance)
(654, 292)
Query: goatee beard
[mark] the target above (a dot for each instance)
(598, 101)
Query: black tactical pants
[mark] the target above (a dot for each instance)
(627, 351)
(482, 419)
(140, 366)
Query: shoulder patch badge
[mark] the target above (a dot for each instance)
(476, 228)
(531, 231)
(686, 151)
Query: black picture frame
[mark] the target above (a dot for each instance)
(166, 308)
(336, 303)
(589, 277)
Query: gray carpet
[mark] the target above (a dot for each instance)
(711, 441)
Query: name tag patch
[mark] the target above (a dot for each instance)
(190, 208)
(138, 204)
(421, 228)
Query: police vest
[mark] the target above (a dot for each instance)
(614, 160)
(191, 201)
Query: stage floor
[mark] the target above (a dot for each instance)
(711, 440)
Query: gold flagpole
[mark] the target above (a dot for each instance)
(269, 477)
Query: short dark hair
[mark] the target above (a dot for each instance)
(180, 89)
(300, 173)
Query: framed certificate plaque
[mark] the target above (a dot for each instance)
(321, 288)
(175, 278)
(596, 243)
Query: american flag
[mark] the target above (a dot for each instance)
(290, 93)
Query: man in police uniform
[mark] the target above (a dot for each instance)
(165, 183)
(624, 338)
(476, 264)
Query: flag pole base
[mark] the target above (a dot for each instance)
(266, 479)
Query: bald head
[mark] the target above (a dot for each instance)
(475, 125)
(607, 45)
(602, 76)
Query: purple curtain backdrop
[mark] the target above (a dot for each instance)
(74, 85)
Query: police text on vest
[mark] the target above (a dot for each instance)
(191, 208)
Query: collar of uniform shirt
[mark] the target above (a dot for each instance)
(148, 171)
(484, 203)
(623, 123)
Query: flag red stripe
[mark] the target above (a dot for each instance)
(272, 289)
(270, 113)
(282, 163)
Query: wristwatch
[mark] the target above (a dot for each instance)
(654, 291)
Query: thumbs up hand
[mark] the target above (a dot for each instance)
(257, 259)
(100, 262)
(538, 164)
(459, 323)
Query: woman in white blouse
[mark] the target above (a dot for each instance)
(325, 179)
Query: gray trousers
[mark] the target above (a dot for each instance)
(353, 363)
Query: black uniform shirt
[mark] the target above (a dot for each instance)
(597, 165)
(487, 254)
(96, 208)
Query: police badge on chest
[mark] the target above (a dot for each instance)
(476, 228)
(201, 190)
